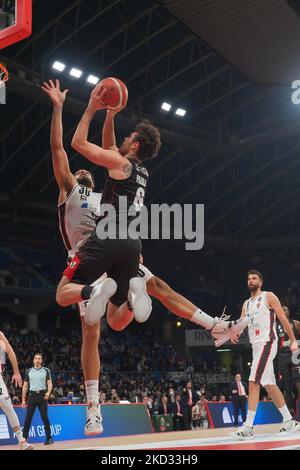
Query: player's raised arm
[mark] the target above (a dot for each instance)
(273, 302)
(109, 159)
(108, 131)
(64, 178)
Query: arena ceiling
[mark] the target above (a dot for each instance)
(236, 150)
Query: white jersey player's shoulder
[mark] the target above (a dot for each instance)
(69, 195)
(269, 296)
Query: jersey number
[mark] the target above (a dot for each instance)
(85, 193)
(139, 199)
(1, 391)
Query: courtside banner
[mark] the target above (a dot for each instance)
(68, 421)
(221, 415)
(198, 338)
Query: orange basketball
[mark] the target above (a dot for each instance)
(116, 95)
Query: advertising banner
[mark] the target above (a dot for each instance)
(222, 415)
(68, 421)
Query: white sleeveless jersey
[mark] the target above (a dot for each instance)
(78, 215)
(262, 325)
(2, 355)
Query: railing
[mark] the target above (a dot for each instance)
(74, 377)
(23, 281)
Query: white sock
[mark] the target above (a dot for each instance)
(202, 319)
(250, 418)
(92, 391)
(19, 435)
(285, 413)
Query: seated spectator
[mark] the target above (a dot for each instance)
(52, 400)
(16, 400)
(115, 398)
(102, 397)
(81, 395)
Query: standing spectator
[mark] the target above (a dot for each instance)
(239, 398)
(164, 408)
(288, 372)
(156, 401)
(178, 418)
(189, 399)
(39, 385)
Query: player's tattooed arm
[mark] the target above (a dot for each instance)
(127, 170)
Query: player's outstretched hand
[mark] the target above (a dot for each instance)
(54, 92)
(96, 100)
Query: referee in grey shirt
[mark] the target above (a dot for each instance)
(39, 384)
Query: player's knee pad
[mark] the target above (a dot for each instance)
(8, 409)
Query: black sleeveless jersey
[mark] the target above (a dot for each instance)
(133, 190)
(283, 337)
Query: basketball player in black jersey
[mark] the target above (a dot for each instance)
(117, 257)
(288, 371)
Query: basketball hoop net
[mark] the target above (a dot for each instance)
(3, 74)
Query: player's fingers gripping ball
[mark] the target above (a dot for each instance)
(116, 95)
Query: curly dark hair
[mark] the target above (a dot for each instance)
(254, 271)
(148, 137)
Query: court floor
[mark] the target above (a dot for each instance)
(266, 438)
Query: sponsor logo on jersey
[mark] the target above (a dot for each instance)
(257, 332)
(85, 205)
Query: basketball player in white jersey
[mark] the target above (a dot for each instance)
(79, 209)
(261, 310)
(5, 401)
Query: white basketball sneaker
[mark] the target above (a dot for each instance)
(24, 445)
(139, 300)
(93, 425)
(245, 432)
(289, 427)
(98, 301)
(223, 329)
